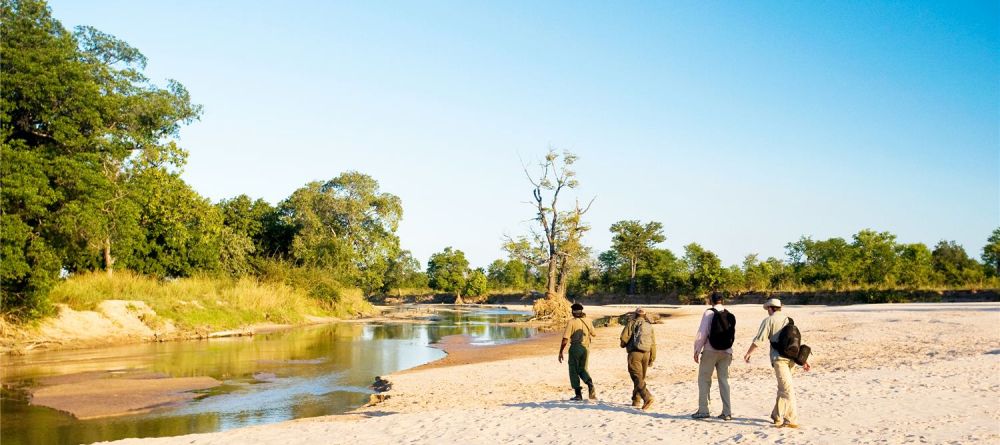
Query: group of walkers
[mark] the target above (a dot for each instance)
(713, 352)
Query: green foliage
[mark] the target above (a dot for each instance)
(991, 253)
(404, 273)
(78, 118)
(345, 225)
(953, 263)
(916, 266)
(183, 232)
(704, 269)
(875, 255)
(633, 241)
(476, 285)
(447, 271)
(512, 274)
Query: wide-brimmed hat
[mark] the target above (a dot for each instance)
(639, 310)
(774, 302)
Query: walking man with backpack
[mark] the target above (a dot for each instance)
(639, 341)
(713, 351)
(578, 333)
(784, 413)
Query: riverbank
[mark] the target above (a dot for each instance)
(98, 309)
(910, 373)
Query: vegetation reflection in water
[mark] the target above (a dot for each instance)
(306, 372)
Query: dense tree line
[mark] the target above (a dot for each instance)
(91, 181)
(870, 260)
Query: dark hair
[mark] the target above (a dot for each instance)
(577, 307)
(716, 297)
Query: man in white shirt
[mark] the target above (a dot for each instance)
(784, 413)
(710, 359)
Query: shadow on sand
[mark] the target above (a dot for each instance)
(624, 408)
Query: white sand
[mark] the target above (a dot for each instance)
(881, 374)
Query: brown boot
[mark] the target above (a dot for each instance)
(636, 402)
(649, 404)
(648, 398)
(591, 392)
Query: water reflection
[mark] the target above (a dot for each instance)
(306, 372)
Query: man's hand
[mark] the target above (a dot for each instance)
(746, 357)
(696, 357)
(806, 366)
(560, 356)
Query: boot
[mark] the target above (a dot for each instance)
(579, 395)
(648, 398)
(591, 392)
(636, 402)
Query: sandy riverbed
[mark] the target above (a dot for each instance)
(921, 373)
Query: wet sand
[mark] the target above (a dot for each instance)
(100, 394)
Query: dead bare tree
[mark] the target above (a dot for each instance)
(561, 231)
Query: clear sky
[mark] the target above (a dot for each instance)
(738, 125)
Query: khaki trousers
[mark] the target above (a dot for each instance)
(638, 362)
(718, 362)
(784, 403)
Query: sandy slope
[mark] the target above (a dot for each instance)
(882, 374)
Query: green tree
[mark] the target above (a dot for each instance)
(507, 274)
(476, 285)
(991, 252)
(953, 263)
(78, 119)
(633, 241)
(757, 274)
(661, 271)
(182, 231)
(916, 266)
(829, 263)
(875, 258)
(403, 272)
(611, 264)
(704, 269)
(345, 225)
(447, 271)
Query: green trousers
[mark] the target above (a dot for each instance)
(578, 366)
(638, 362)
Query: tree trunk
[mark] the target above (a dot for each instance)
(109, 261)
(458, 298)
(631, 278)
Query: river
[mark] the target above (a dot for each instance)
(303, 372)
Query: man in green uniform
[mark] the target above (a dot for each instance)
(578, 333)
(639, 341)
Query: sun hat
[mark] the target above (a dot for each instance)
(774, 302)
(639, 310)
(577, 307)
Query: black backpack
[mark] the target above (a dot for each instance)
(789, 344)
(723, 331)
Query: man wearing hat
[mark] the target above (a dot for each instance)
(783, 413)
(579, 331)
(641, 355)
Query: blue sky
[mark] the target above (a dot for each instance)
(738, 125)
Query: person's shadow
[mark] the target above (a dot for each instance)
(624, 408)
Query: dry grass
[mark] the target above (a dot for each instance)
(206, 301)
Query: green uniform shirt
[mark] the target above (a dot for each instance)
(579, 331)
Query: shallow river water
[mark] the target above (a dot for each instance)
(302, 372)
